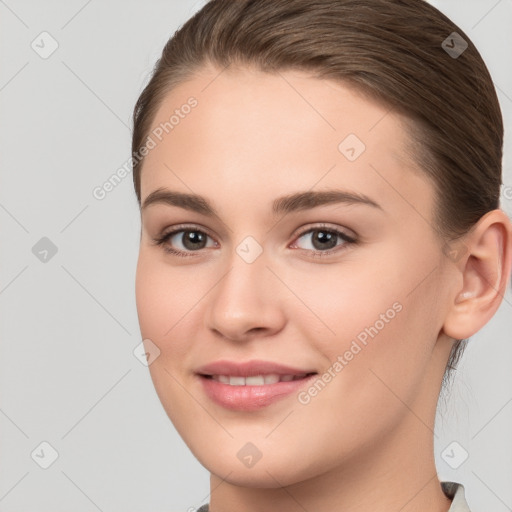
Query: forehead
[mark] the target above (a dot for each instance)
(255, 132)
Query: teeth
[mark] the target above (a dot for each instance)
(237, 381)
(256, 380)
(272, 379)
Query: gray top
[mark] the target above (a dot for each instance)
(453, 490)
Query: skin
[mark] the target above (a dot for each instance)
(254, 137)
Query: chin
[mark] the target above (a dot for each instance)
(270, 472)
(262, 477)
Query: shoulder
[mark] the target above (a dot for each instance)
(455, 491)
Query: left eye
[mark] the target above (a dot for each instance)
(323, 239)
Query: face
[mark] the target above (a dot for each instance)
(302, 294)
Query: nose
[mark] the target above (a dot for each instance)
(247, 301)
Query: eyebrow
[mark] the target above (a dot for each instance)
(286, 204)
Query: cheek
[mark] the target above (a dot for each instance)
(338, 304)
(164, 296)
(149, 295)
(371, 320)
(162, 305)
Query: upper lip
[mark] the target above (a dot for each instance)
(250, 369)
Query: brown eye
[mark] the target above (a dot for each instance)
(323, 240)
(192, 240)
(184, 242)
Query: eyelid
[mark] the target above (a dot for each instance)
(186, 227)
(328, 227)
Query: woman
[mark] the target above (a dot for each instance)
(321, 233)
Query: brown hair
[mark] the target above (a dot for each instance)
(394, 51)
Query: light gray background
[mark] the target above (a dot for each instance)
(68, 375)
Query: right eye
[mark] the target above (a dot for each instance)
(191, 240)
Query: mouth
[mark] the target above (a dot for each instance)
(256, 380)
(252, 385)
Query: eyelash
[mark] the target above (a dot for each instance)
(348, 240)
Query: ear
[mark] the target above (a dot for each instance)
(484, 259)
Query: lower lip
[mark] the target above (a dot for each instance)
(250, 398)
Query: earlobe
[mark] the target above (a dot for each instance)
(485, 272)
